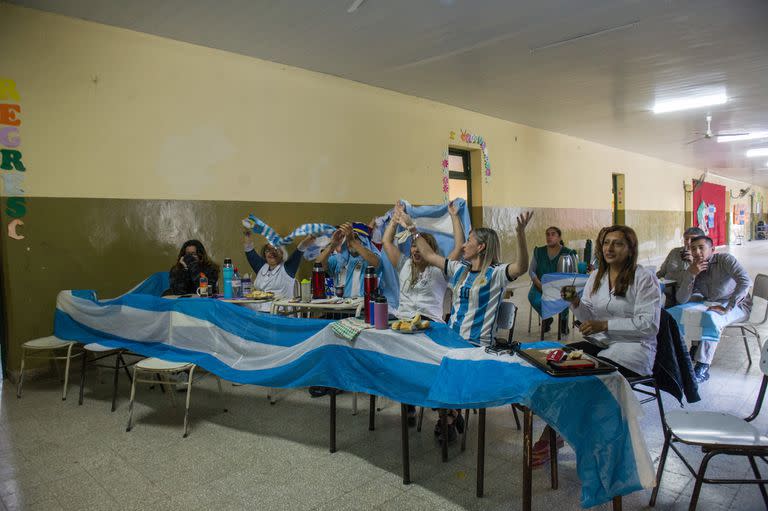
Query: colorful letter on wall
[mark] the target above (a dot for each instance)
(8, 90)
(8, 114)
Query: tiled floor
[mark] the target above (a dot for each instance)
(58, 455)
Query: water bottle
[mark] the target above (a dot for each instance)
(371, 282)
(246, 286)
(330, 291)
(318, 281)
(380, 313)
(236, 285)
(227, 271)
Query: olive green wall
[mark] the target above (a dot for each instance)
(110, 245)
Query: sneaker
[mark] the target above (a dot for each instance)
(700, 372)
(318, 391)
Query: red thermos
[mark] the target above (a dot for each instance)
(371, 286)
(318, 281)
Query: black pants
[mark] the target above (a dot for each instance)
(592, 349)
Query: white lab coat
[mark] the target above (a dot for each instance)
(633, 320)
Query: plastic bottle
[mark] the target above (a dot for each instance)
(227, 271)
(236, 285)
(246, 286)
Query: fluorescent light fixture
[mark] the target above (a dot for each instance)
(762, 151)
(673, 105)
(749, 136)
(354, 6)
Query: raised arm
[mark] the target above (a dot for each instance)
(254, 259)
(520, 266)
(429, 255)
(354, 242)
(458, 233)
(388, 240)
(336, 239)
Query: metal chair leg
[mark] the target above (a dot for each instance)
(82, 377)
(21, 372)
(660, 470)
(189, 396)
(404, 443)
(699, 481)
(746, 345)
(514, 413)
(758, 476)
(421, 419)
(221, 394)
(354, 403)
(480, 452)
(444, 429)
(527, 458)
(114, 379)
(130, 403)
(332, 432)
(66, 373)
(553, 458)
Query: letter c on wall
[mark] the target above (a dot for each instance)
(12, 229)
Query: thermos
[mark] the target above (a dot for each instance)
(371, 286)
(567, 264)
(227, 271)
(318, 281)
(381, 313)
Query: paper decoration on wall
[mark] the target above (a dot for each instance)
(468, 138)
(11, 156)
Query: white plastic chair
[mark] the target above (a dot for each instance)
(165, 368)
(759, 290)
(53, 345)
(717, 433)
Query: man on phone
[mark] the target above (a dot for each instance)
(723, 285)
(677, 262)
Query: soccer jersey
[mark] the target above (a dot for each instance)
(476, 298)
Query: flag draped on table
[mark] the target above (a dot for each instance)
(596, 415)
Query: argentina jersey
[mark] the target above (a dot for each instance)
(476, 300)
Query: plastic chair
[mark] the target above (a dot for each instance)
(99, 352)
(166, 368)
(759, 290)
(717, 433)
(53, 345)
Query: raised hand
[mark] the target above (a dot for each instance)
(452, 209)
(697, 267)
(306, 242)
(522, 221)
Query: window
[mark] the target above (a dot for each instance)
(459, 176)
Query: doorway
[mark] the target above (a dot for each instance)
(460, 176)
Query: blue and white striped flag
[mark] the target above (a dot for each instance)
(258, 226)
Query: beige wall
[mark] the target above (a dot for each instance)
(113, 113)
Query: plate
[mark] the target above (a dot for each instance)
(410, 331)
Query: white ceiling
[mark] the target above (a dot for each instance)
(476, 54)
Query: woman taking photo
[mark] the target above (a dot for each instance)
(193, 260)
(544, 261)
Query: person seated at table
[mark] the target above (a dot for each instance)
(346, 258)
(544, 261)
(275, 271)
(677, 263)
(422, 286)
(619, 312)
(477, 283)
(184, 276)
(720, 280)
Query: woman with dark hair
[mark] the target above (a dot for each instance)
(544, 261)
(185, 274)
(621, 305)
(619, 312)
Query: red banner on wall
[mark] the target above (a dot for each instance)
(709, 211)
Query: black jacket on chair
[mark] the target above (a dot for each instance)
(672, 368)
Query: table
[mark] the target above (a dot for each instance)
(435, 369)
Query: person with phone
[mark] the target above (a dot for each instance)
(677, 262)
(720, 280)
(184, 276)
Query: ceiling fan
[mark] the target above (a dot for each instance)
(706, 135)
(741, 193)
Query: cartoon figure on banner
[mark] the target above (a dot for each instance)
(701, 217)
